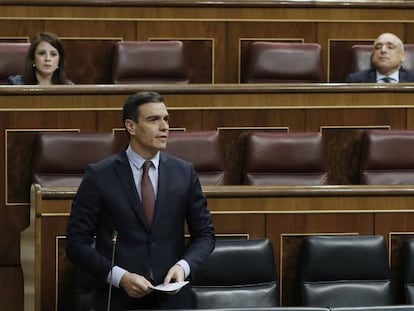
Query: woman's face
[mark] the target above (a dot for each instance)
(46, 59)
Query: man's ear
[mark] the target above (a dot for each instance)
(130, 126)
(402, 57)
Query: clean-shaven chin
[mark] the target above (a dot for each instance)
(162, 142)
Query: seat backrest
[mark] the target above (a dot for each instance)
(238, 273)
(203, 150)
(407, 267)
(149, 62)
(386, 157)
(60, 158)
(276, 62)
(361, 55)
(345, 271)
(12, 59)
(285, 159)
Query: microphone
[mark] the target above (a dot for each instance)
(114, 239)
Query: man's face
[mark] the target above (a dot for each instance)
(388, 53)
(150, 133)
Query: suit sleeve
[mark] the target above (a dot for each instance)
(200, 226)
(81, 229)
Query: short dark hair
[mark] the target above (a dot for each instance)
(131, 105)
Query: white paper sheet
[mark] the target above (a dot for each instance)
(170, 287)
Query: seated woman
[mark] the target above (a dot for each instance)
(44, 62)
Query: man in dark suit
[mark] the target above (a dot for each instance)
(387, 56)
(147, 251)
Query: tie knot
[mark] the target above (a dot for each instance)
(387, 79)
(146, 165)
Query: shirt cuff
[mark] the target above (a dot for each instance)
(184, 264)
(115, 278)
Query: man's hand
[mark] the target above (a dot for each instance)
(135, 285)
(175, 274)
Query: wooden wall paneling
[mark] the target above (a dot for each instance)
(64, 276)
(263, 30)
(294, 119)
(409, 33)
(340, 58)
(92, 27)
(107, 120)
(395, 118)
(199, 54)
(410, 119)
(396, 240)
(15, 39)
(48, 294)
(287, 230)
(191, 119)
(89, 61)
(204, 42)
(251, 225)
(343, 150)
(402, 219)
(11, 273)
(25, 28)
(199, 57)
(396, 229)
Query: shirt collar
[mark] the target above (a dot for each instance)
(395, 76)
(138, 161)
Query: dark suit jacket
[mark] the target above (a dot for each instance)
(369, 76)
(15, 80)
(107, 200)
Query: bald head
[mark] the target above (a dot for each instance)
(388, 53)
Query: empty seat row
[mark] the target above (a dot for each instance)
(336, 271)
(299, 158)
(270, 158)
(164, 62)
(60, 158)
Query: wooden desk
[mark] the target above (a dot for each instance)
(283, 214)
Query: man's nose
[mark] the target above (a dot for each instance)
(164, 125)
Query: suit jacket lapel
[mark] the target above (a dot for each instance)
(163, 184)
(125, 177)
(372, 76)
(403, 76)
